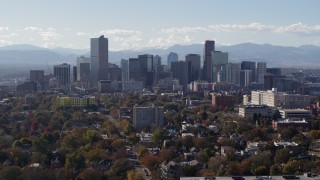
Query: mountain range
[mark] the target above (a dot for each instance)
(307, 56)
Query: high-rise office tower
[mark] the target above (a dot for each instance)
(99, 60)
(74, 73)
(62, 74)
(249, 65)
(261, 68)
(218, 62)
(134, 69)
(233, 73)
(156, 62)
(209, 46)
(245, 78)
(172, 57)
(84, 72)
(179, 71)
(125, 69)
(193, 67)
(37, 76)
(147, 71)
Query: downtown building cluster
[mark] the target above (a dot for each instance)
(212, 72)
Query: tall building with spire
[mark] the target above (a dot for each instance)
(99, 60)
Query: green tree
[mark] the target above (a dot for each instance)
(158, 135)
(75, 160)
(92, 136)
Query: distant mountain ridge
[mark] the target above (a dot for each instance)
(306, 56)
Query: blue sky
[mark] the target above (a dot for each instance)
(135, 24)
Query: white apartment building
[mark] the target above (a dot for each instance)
(273, 98)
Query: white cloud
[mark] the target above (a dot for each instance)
(297, 28)
(127, 39)
(169, 41)
(32, 28)
(119, 32)
(4, 29)
(50, 34)
(5, 42)
(9, 35)
(82, 34)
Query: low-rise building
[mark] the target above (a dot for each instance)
(222, 101)
(299, 124)
(76, 101)
(250, 110)
(295, 113)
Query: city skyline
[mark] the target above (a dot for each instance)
(130, 26)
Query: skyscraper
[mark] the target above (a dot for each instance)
(37, 76)
(209, 46)
(249, 65)
(193, 67)
(172, 57)
(245, 78)
(179, 71)
(218, 62)
(134, 69)
(84, 72)
(156, 62)
(62, 74)
(147, 71)
(99, 60)
(125, 69)
(260, 72)
(233, 73)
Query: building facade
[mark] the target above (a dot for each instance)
(147, 116)
(99, 60)
(62, 74)
(209, 46)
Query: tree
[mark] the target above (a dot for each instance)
(282, 156)
(90, 173)
(133, 175)
(92, 136)
(275, 169)
(10, 173)
(158, 135)
(288, 133)
(149, 160)
(261, 170)
(261, 159)
(75, 160)
(119, 168)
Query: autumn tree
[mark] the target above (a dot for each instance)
(282, 155)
